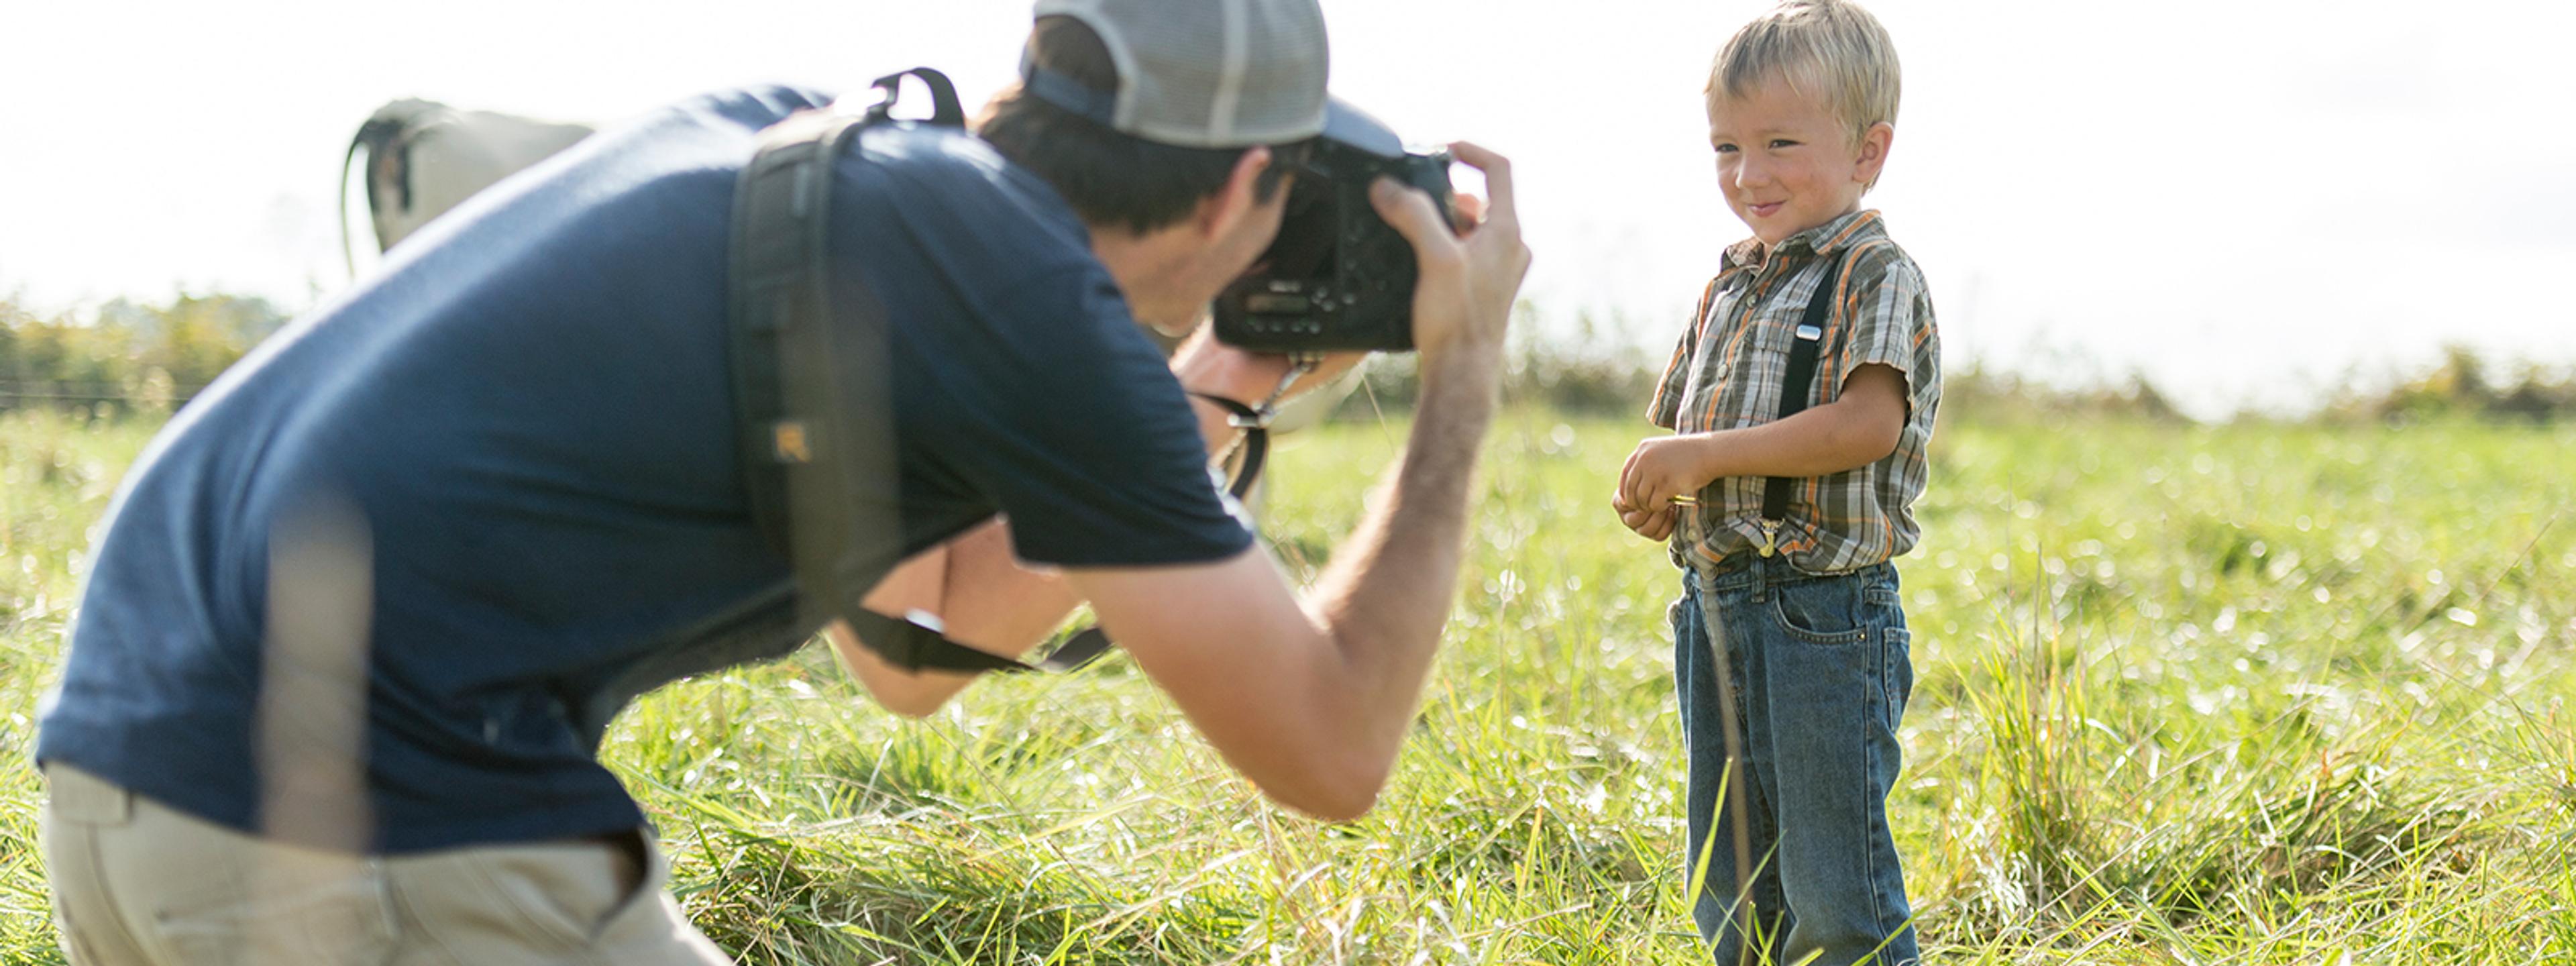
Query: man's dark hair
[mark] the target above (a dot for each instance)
(1111, 178)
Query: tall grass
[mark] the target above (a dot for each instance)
(2185, 695)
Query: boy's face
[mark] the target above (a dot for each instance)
(1787, 164)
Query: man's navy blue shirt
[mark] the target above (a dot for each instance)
(532, 407)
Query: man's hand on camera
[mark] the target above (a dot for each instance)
(1469, 272)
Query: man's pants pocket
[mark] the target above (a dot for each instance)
(490, 903)
(138, 884)
(134, 882)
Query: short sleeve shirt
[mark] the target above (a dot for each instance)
(529, 413)
(1728, 370)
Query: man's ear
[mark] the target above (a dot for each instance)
(1218, 213)
(1873, 151)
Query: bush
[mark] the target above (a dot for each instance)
(2459, 387)
(127, 357)
(1597, 369)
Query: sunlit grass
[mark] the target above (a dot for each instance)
(2247, 694)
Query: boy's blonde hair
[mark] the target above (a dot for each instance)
(1831, 50)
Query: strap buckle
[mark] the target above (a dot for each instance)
(788, 443)
(1266, 411)
(945, 109)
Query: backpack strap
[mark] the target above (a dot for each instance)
(1795, 385)
(773, 281)
(811, 386)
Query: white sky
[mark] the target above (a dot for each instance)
(2248, 201)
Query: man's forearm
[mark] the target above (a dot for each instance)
(994, 603)
(979, 591)
(983, 597)
(1389, 588)
(1312, 700)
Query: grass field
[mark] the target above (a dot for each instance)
(2245, 694)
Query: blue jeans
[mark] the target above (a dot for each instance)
(1821, 671)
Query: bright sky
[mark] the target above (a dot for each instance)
(2248, 201)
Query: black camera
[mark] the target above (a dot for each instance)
(1338, 278)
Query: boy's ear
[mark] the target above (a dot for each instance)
(1873, 152)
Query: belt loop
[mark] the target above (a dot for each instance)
(80, 797)
(1760, 568)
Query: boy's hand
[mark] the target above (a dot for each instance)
(1656, 525)
(1660, 469)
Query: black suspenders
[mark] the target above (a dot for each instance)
(1795, 385)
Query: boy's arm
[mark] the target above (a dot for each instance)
(1665, 410)
(1860, 427)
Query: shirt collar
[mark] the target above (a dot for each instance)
(1824, 239)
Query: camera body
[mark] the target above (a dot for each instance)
(1338, 278)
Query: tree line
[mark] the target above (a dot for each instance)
(130, 357)
(126, 357)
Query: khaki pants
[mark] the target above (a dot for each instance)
(137, 883)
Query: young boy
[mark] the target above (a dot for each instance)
(1801, 111)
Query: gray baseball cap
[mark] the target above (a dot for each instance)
(1200, 73)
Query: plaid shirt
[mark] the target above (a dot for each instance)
(1728, 370)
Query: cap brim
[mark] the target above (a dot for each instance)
(1348, 125)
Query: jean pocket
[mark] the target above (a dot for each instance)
(1827, 612)
(1899, 676)
(338, 919)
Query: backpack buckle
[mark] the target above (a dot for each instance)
(788, 443)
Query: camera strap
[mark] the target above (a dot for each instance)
(1795, 385)
(1255, 420)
